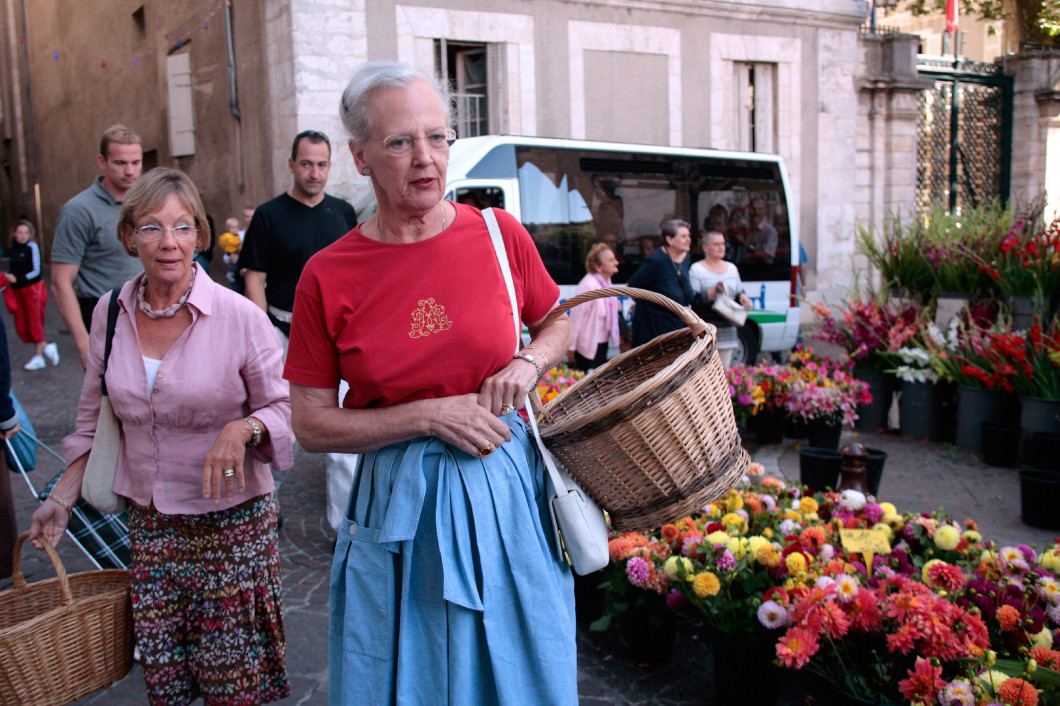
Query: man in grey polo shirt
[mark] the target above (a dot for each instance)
(87, 259)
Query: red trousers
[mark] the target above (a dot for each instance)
(27, 306)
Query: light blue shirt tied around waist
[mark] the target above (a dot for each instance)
(446, 585)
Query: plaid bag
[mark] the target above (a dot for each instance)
(105, 537)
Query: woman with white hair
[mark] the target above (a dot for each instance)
(447, 585)
(712, 276)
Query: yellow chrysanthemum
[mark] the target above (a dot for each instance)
(712, 510)
(706, 584)
(755, 543)
(718, 537)
(808, 505)
(947, 537)
(735, 522)
(739, 546)
(733, 501)
(884, 527)
(894, 520)
(768, 533)
(674, 566)
(792, 515)
(795, 563)
(768, 556)
(1042, 639)
(1050, 560)
(888, 509)
(927, 567)
(993, 678)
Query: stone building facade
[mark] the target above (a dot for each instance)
(773, 76)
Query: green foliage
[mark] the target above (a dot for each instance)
(983, 9)
(896, 249)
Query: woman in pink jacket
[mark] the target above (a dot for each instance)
(595, 323)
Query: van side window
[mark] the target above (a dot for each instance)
(571, 198)
(481, 197)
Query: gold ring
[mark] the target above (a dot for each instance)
(230, 472)
(487, 449)
(507, 409)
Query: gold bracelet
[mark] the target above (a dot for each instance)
(61, 503)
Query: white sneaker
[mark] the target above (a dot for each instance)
(36, 363)
(51, 352)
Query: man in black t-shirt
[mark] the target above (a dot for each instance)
(288, 230)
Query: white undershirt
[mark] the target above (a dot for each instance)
(151, 367)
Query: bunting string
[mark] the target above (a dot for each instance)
(200, 26)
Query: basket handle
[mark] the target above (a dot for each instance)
(695, 324)
(19, 581)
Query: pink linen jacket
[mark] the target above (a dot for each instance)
(225, 366)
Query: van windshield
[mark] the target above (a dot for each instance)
(571, 199)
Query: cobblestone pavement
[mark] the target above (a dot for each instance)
(918, 476)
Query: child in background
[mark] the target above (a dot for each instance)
(231, 243)
(26, 295)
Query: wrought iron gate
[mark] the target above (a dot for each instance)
(964, 133)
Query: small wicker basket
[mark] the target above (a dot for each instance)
(63, 638)
(651, 434)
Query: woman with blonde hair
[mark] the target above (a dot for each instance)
(194, 377)
(594, 325)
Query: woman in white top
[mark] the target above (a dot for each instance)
(595, 323)
(713, 275)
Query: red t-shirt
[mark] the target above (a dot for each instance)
(404, 322)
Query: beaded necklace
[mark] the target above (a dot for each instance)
(169, 311)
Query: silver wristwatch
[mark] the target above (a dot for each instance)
(529, 358)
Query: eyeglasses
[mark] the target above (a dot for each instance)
(152, 232)
(401, 143)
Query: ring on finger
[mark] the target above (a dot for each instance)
(230, 473)
(487, 449)
(507, 409)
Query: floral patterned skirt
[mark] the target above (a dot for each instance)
(207, 604)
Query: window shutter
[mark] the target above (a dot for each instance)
(742, 100)
(179, 102)
(765, 112)
(497, 87)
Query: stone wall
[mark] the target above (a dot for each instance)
(556, 81)
(1036, 125)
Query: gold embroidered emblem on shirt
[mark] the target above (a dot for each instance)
(429, 318)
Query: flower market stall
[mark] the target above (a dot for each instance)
(937, 614)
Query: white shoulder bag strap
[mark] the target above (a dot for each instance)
(575, 515)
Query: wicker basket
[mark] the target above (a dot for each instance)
(63, 638)
(651, 434)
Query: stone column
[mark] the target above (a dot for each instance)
(1035, 125)
(314, 46)
(888, 91)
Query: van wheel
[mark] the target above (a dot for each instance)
(746, 350)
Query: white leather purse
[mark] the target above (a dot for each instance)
(97, 486)
(728, 308)
(578, 522)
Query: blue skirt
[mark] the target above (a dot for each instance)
(447, 586)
